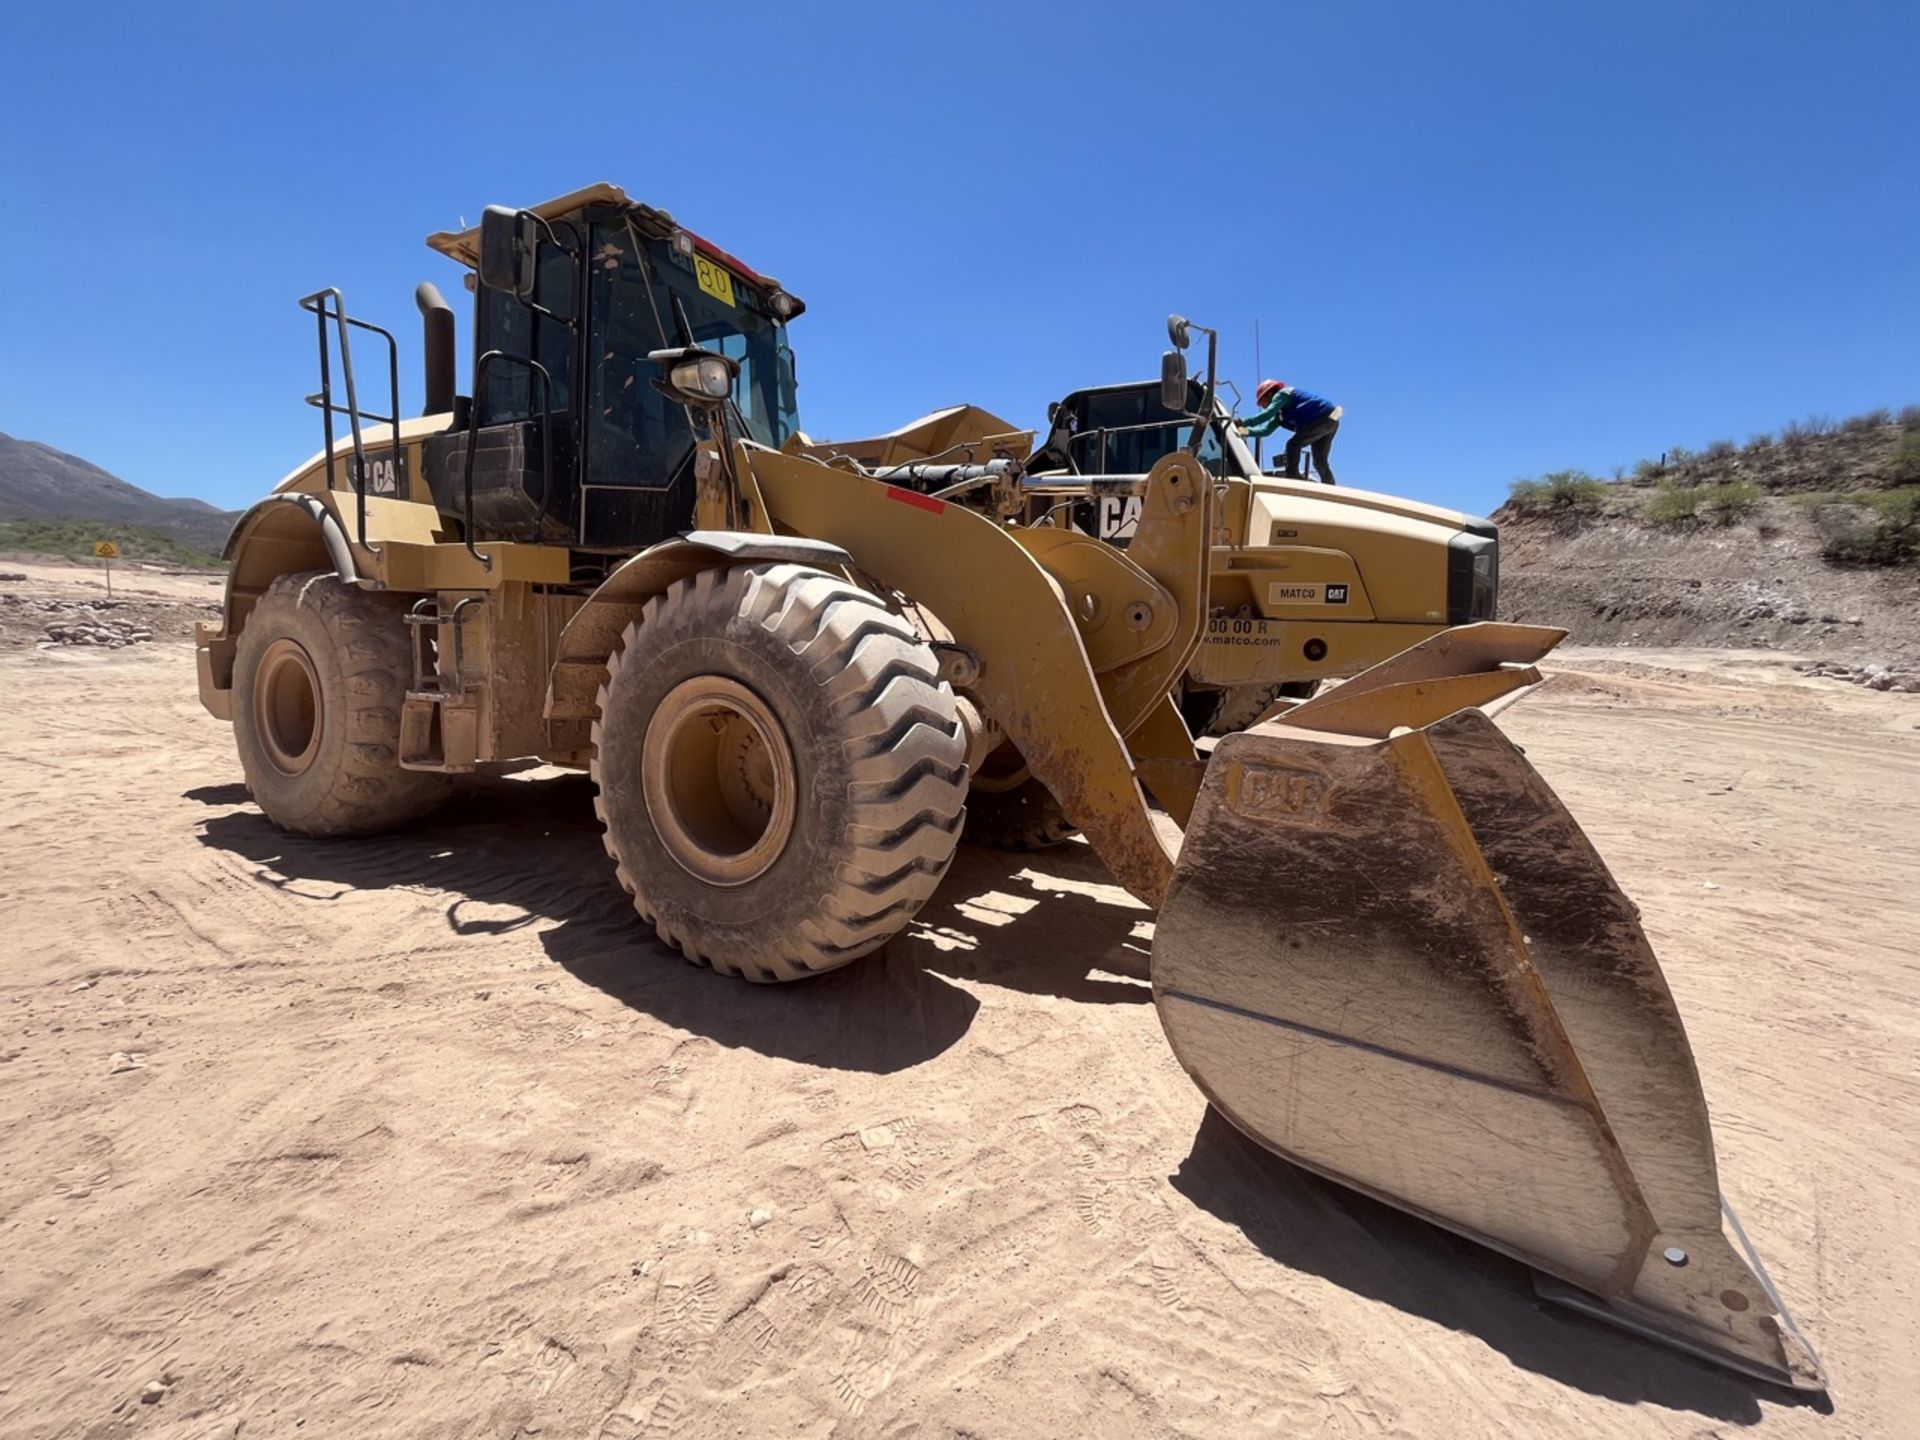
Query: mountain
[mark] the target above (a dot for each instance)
(38, 482)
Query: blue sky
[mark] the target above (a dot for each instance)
(1506, 237)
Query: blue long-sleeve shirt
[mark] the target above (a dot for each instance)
(1290, 409)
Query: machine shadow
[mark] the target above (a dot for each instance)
(531, 847)
(1371, 1249)
(1030, 923)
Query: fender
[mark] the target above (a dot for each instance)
(285, 533)
(580, 661)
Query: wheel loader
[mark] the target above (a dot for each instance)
(1308, 583)
(1384, 950)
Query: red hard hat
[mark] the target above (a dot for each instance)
(1268, 389)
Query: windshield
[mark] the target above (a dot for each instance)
(636, 437)
(1126, 431)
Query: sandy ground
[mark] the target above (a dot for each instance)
(424, 1136)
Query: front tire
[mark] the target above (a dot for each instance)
(319, 677)
(781, 771)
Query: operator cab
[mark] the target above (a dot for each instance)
(1114, 430)
(571, 440)
(1126, 429)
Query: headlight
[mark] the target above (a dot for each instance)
(1473, 576)
(706, 376)
(781, 304)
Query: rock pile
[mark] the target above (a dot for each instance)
(84, 625)
(1873, 676)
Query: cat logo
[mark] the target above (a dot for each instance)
(1336, 594)
(1119, 516)
(386, 472)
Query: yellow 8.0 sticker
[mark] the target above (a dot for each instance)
(714, 280)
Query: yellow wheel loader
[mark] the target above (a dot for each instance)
(1307, 583)
(1384, 949)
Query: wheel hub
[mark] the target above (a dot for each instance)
(719, 780)
(286, 707)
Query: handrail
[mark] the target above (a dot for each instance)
(337, 312)
(473, 438)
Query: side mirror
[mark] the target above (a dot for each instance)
(695, 377)
(1177, 331)
(1053, 409)
(508, 245)
(1173, 382)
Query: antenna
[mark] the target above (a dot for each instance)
(1258, 374)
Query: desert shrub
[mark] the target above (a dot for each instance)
(1681, 455)
(1906, 459)
(1673, 503)
(1869, 420)
(1761, 441)
(1720, 449)
(1730, 501)
(1647, 469)
(1798, 432)
(1910, 417)
(1868, 527)
(1559, 490)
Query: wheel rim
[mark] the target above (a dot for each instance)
(719, 780)
(286, 707)
(1001, 771)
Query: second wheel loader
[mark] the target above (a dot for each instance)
(1384, 949)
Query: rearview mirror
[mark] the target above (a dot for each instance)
(508, 241)
(1173, 382)
(1177, 331)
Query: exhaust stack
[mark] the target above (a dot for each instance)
(437, 322)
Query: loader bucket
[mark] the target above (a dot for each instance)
(1391, 956)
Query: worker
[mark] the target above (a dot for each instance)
(1312, 421)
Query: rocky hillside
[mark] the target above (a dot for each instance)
(40, 485)
(1806, 541)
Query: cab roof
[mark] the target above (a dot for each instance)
(464, 245)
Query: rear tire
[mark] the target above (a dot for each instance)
(781, 771)
(1024, 818)
(1240, 706)
(319, 677)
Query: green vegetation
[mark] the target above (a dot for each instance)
(1906, 460)
(1560, 490)
(1716, 486)
(1725, 503)
(1672, 503)
(74, 540)
(1867, 527)
(1730, 501)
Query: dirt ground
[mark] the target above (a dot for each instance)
(424, 1136)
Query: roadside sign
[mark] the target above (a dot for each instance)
(106, 549)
